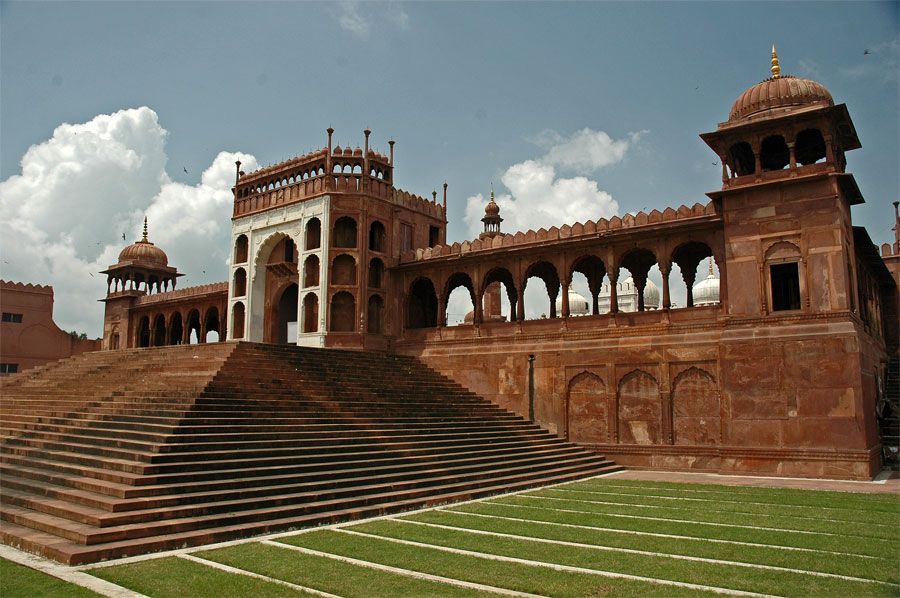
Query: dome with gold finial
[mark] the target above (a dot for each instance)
(144, 252)
(578, 305)
(779, 93)
(491, 209)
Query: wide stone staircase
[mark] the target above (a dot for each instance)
(119, 453)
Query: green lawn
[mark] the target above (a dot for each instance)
(599, 537)
(17, 581)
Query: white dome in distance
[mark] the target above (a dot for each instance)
(706, 292)
(578, 305)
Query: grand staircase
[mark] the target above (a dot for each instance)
(119, 453)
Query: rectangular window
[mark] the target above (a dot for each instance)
(9, 368)
(434, 236)
(289, 250)
(785, 286)
(406, 237)
(14, 318)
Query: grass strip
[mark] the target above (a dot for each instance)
(19, 581)
(702, 523)
(329, 575)
(836, 514)
(786, 521)
(868, 568)
(172, 577)
(702, 573)
(513, 576)
(887, 501)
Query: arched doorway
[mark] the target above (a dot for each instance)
(286, 332)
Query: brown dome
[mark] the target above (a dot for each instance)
(492, 209)
(780, 92)
(145, 252)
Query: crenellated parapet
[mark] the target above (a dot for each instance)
(20, 286)
(332, 170)
(589, 228)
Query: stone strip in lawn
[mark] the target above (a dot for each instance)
(411, 573)
(516, 574)
(687, 570)
(237, 571)
(672, 553)
(173, 577)
(791, 536)
(846, 514)
(870, 568)
(793, 522)
(810, 498)
(278, 561)
(46, 567)
(527, 561)
(19, 581)
(653, 534)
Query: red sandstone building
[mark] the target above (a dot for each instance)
(28, 335)
(779, 376)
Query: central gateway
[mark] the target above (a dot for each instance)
(313, 238)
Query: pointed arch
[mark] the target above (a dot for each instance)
(587, 409)
(639, 409)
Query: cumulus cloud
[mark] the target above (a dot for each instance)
(81, 190)
(540, 197)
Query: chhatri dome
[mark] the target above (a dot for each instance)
(627, 296)
(144, 252)
(779, 94)
(578, 305)
(706, 292)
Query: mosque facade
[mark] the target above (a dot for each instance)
(772, 367)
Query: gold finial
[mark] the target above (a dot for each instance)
(145, 230)
(492, 194)
(776, 70)
(710, 267)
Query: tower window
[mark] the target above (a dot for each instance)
(434, 236)
(14, 318)
(9, 368)
(774, 153)
(743, 161)
(785, 286)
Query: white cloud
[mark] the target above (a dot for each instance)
(351, 19)
(359, 18)
(540, 198)
(398, 15)
(586, 150)
(79, 191)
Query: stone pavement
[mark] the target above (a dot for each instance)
(888, 482)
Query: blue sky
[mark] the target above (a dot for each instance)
(474, 93)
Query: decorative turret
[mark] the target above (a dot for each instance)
(142, 267)
(780, 126)
(491, 219)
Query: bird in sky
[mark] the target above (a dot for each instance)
(866, 52)
(185, 169)
(123, 236)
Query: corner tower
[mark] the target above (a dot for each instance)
(786, 198)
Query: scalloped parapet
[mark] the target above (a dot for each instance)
(185, 293)
(8, 285)
(888, 250)
(566, 231)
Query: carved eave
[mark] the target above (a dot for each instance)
(838, 116)
(845, 182)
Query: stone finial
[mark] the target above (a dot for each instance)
(144, 240)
